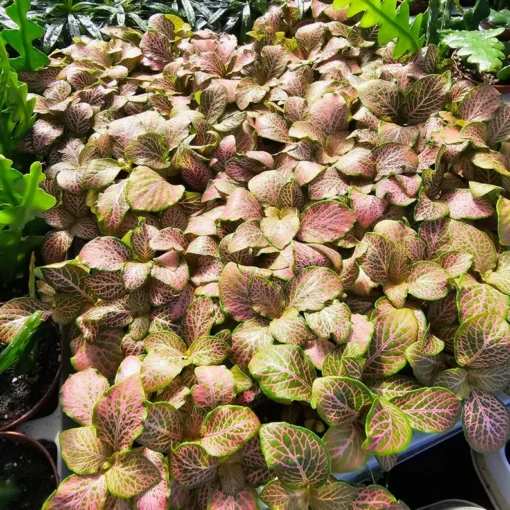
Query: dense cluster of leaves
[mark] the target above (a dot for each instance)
(289, 255)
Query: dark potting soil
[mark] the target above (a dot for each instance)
(29, 472)
(20, 393)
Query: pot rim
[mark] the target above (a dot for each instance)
(23, 438)
(44, 399)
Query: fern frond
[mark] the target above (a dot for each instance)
(394, 23)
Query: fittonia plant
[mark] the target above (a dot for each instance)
(293, 253)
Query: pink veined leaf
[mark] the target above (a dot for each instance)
(248, 235)
(425, 97)
(149, 149)
(245, 499)
(267, 298)
(467, 238)
(328, 184)
(498, 126)
(491, 379)
(359, 162)
(147, 191)
(455, 380)
(208, 350)
(333, 320)
(382, 98)
(213, 101)
(215, 387)
(387, 428)
(332, 495)
(359, 337)
(483, 341)
(297, 456)
(80, 393)
(368, 208)
(156, 496)
(228, 428)
(79, 492)
(394, 158)
(283, 372)
(486, 422)
(162, 428)
(273, 127)
(82, 450)
(241, 204)
(55, 246)
(275, 495)
(330, 114)
(480, 103)
(105, 254)
(476, 298)
(169, 239)
(100, 173)
(428, 281)
(247, 339)
(131, 365)
(463, 205)
(389, 132)
(501, 278)
(266, 186)
(430, 210)
(317, 349)
(312, 288)
(234, 293)
(425, 367)
(344, 446)
(324, 222)
(135, 274)
(430, 410)
(172, 270)
(455, 263)
(393, 386)
(377, 258)
(198, 320)
(280, 226)
(436, 235)
(119, 414)
(164, 361)
(503, 209)
(104, 354)
(373, 496)
(131, 474)
(394, 332)
(340, 400)
(192, 466)
(14, 314)
(112, 207)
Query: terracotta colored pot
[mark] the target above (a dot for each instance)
(486, 25)
(51, 390)
(22, 438)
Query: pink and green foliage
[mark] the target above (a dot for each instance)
(301, 232)
(100, 451)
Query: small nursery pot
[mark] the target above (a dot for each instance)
(51, 385)
(502, 89)
(487, 25)
(31, 467)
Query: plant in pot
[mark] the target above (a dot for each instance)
(27, 472)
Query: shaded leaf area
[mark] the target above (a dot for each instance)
(286, 256)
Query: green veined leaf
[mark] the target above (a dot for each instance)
(387, 428)
(228, 428)
(345, 447)
(483, 341)
(340, 400)
(297, 456)
(283, 372)
(486, 422)
(430, 410)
